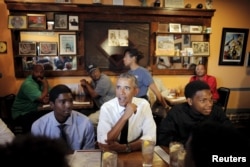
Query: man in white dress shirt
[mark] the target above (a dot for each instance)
(6, 134)
(125, 107)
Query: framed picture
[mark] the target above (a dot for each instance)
(174, 3)
(233, 46)
(185, 28)
(73, 23)
(200, 48)
(195, 29)
(48, 48)
(67, 44)
(17, 22)
(165, 45)
(27, 48)
(61, 21)
(37, 21)
(173, 27)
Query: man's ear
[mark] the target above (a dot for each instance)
(51, 104)
(136, 91)
(190, 102)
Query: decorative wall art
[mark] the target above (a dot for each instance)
(233, 46)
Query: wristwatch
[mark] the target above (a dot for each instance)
(128, 148)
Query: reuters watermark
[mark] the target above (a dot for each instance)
(217, 158)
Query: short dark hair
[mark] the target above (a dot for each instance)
(29, 151)
(56, 90)
(133, 52)
(194, 86)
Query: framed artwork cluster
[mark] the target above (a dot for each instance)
(40, 22)
(180, 45)
(179, 28)
(65, 46)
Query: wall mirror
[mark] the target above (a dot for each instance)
(44, 48)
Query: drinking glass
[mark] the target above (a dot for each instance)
(109, 159)
(147, 153)
(175, 150)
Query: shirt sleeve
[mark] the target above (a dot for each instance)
(31, 90)
(89, 142)
(213, 86)
(5, 133)
(104, 125)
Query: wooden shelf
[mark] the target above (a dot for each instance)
(107, 13)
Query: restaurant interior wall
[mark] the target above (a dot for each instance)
(229, 13)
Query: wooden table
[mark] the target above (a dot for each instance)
(134, 159)
(80, 102)
(92, 158)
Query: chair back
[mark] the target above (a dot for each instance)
(8, 102)
(224, 97)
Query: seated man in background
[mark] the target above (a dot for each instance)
(125, 112)
(32, 93)
(201, 74)
(6, 134)
(211, 143)
(182, 118)
(101, 90)
(73, 127)
(29, 151)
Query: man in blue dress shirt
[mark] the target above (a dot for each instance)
(77, 128)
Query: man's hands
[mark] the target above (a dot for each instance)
(130, 109)
(84, 82)
(112, 146)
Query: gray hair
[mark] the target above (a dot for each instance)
(129, 76)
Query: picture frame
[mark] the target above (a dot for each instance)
(67, 44)
(233, 46)
(174, 3)
(48, 48)
(36, 21)
(165, 45)
(17, 22)
(27, 48)
(195, 29)
(185, 28)
(200, 48)
(73, 23)
(174, 27)
(61, 21)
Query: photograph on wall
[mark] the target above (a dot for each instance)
(165, 45)
(118, 37)
(61, 21)
(233, 46)
(48, 48)
(67, 44)
(17, 22)
(73, 23)
(27, 48)
(174, 27)
(37, 21)
(200, 48)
